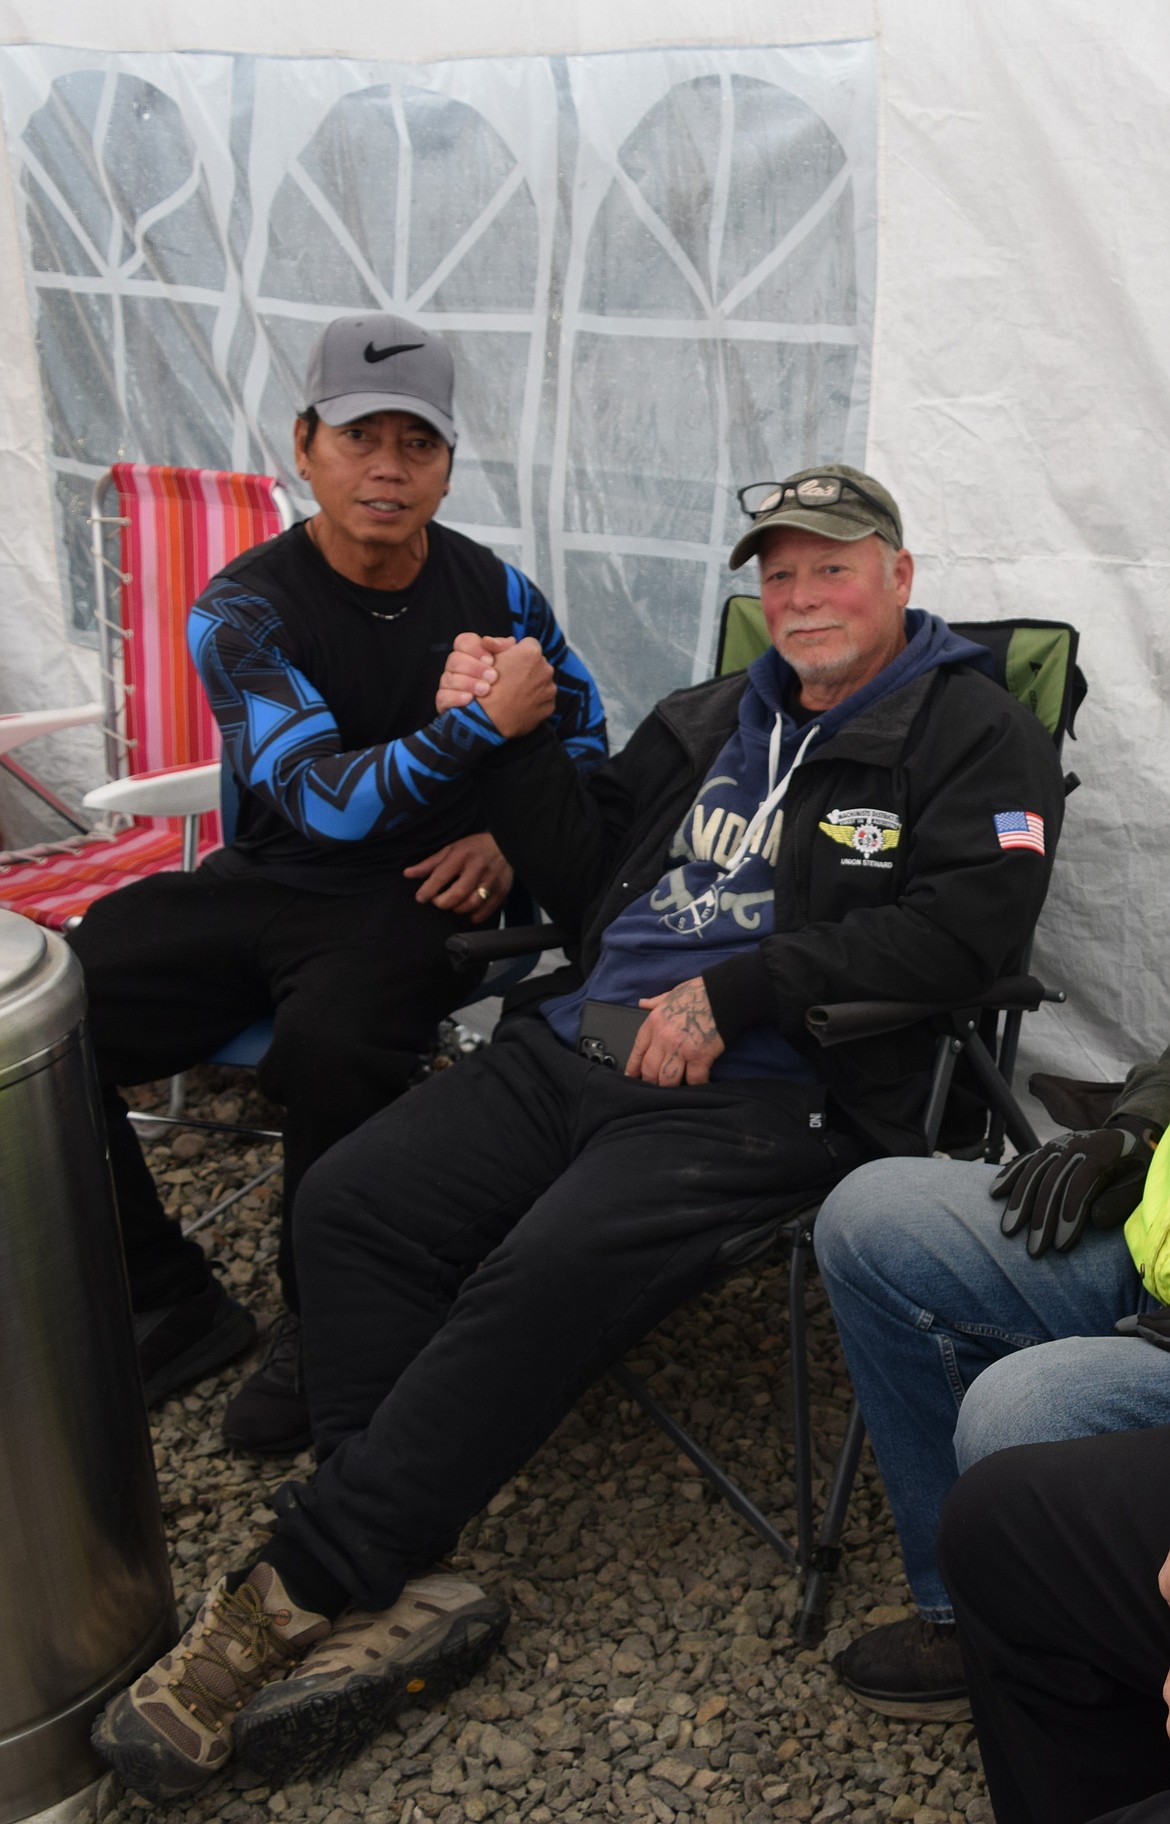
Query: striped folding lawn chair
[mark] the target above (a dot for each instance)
(176, 528)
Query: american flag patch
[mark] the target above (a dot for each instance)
(1020, 830)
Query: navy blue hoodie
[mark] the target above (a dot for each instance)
(717, 894)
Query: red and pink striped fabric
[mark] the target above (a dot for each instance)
(57, 883)
(183, 526)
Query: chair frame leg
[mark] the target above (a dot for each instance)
(744, 1506)
(141, 1118)
(1019, 1129)
(178, 1095)
(32, 784)
(801, 1412)
(815, 1554)
(810, 1621)
(208, 1216)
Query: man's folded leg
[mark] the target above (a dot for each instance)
(1073, 1387)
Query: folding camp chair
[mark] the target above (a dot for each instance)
(1036, 660)
(176, 528)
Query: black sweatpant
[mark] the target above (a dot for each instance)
(472, 1258)
(177, 965)
(1051, 1553)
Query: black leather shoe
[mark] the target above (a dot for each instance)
(270, 1414)
(183, 1343)
(912, 1669)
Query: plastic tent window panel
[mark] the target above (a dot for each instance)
(655, 271)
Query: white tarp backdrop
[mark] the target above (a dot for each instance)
(655, 272)
(644, 315)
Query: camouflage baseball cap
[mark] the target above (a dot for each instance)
(833, 501)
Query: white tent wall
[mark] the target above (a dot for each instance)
(40, 666)
(1021, 412)
(1020, 386)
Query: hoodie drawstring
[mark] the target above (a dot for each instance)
(775, 795)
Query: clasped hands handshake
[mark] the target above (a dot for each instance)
(511, 679)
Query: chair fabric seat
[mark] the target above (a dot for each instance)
(248, 1047)
(60, 881)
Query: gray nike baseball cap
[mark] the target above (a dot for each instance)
(380, 363)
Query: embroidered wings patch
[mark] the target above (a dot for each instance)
(867, 832)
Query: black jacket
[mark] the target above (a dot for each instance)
(938, 915)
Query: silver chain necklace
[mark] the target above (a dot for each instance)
(380, 614)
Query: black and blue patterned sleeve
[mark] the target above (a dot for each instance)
(283, 744)
(578, 718)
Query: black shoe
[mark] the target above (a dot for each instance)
(270, 1414)
(183, 1343)
(912, 1669)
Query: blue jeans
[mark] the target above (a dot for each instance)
(940, 1317)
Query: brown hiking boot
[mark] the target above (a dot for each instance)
(173, 1728)
(437, 1634)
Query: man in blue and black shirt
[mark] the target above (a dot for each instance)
(360, 844)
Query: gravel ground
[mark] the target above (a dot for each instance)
(649, 1672)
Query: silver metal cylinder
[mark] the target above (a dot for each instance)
(85, 1592)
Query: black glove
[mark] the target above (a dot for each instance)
(1093, 1177)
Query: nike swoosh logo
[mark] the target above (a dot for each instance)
(396, 348)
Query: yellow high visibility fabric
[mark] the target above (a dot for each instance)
(1147, 1233)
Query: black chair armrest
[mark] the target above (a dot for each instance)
(467, 948)
(844, 1020)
